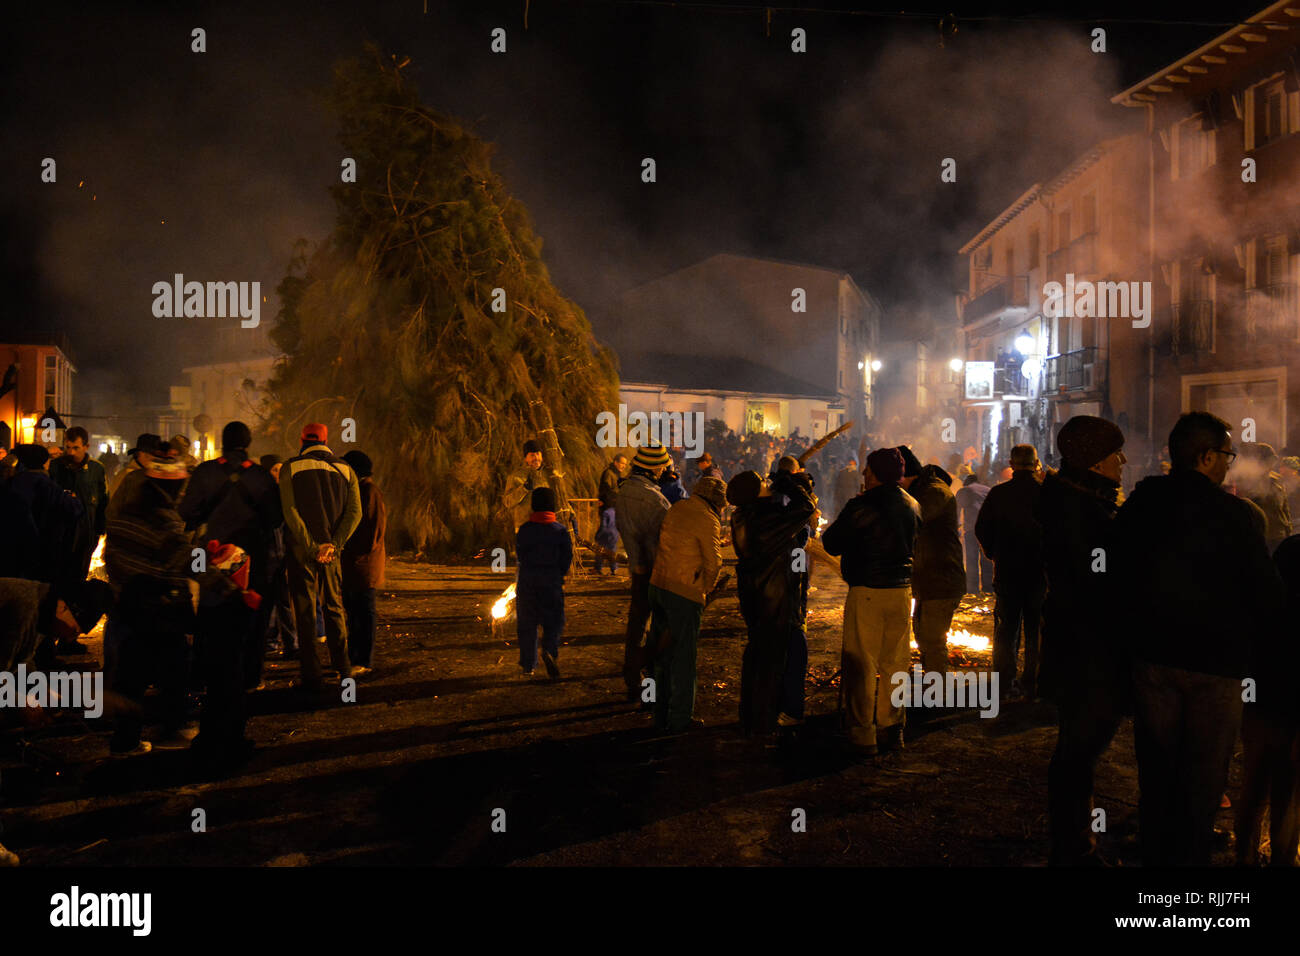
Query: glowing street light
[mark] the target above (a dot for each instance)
(875, 365)
(955, 364)
(1024, 343)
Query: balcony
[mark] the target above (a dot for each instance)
(1271, 313)
(1078, 370)
(1193, 326)
(1079, 257)
(1010, 292)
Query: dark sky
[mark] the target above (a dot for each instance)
(829, 157)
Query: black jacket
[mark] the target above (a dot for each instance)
(236, 502)
(875, 535)
(938, 566)
(1009, 532)
(1272, 655)
(1197, 582)
(545, 553)
(1082, 644)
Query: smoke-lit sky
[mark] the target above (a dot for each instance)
(213, 164)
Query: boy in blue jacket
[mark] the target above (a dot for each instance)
(545, 553)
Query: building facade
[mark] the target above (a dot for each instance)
(37, 376)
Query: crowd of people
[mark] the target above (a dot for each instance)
(211, 567)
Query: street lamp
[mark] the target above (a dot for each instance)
(955, 365)
(875, 365)
(1024, 343)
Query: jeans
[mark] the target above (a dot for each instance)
(1017, 604)
(360, 608)
(930, 623)
(306, 583)
(877, 625)
(607, 537)
(1185, 729)
(674, 669)
(1089, 714)
(538, 607)
(979, 569)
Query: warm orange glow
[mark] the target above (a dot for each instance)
(502, 607)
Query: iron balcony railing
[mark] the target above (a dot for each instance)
(1076, 370)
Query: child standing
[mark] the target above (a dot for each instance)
(545, 553)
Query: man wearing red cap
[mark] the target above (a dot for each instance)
(321, 499)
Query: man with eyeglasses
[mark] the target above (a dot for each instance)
(1197, 589)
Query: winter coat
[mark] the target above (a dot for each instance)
(545, 553)
(1009, 533)
(1082, 644)
(88, 483)
(772, 593)
(41, 522)
(235, 501)
(609, 481)
(970, 499)
(364, 556)
(321, 499)
(518, 495)
(690, 550)
(639, 512)
(670, 484)
(938, 562)
(847, 486)
(1195, 576)
(875, 536)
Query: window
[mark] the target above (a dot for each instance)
(50, 391)
(1192, 148)
(1271, 112)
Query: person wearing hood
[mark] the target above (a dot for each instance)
(938, 572)
(639, 510)
(1084, 662)
(686, 568)
(1010, 535)
(670, 484)
(321, 499)
(769, 523)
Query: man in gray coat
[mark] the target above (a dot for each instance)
(639, 510)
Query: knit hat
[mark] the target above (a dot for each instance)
(543, 499)
(236, 435)
(886, 464)
(713, 491)
(167, 467)
(744, 489)
(531, 446)
(911, 464)
(1292, 462)
(270, 461)
(1086, 439)
(360, 462)
(315, 433)
(651, 457)
(31, 457)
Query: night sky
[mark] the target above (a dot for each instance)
(214, 164)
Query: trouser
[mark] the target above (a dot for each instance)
(877, 625)
(979, 569)
(538, 607)
(674, 670)
(607, 537)
(1088, 717)
(220, 644)
(1017, 605)
(280, 624)
(306, 582)
(638, 613)
(143, 657)
(1271, 778)
(930, 623)
(1185, 728)
(796, 673)
(360, 607)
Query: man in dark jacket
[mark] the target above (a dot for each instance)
(321, 500)
(1010, 535)
(938, 574)
(607, 535)
(1084, 665)
(364, 557)
(768, 525)
(639, 511)
(875, 534)
(1198, 588)
(77, 472)
(233, 500)
(545, 555)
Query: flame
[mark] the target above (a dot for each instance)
(971, 642)
(502, 606)
(97, 559)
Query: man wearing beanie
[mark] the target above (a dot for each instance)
(1197, 591)
(1009, 533)
(321, 499)
(1084, 662)
(522, 482)
(938, 573)
(233, 500)
(639, 510)
(364, 558)
(545, 553)
(686, 568)
(874, 536)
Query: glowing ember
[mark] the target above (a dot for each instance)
(969, 641)
(97, 559)
(502, 607)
